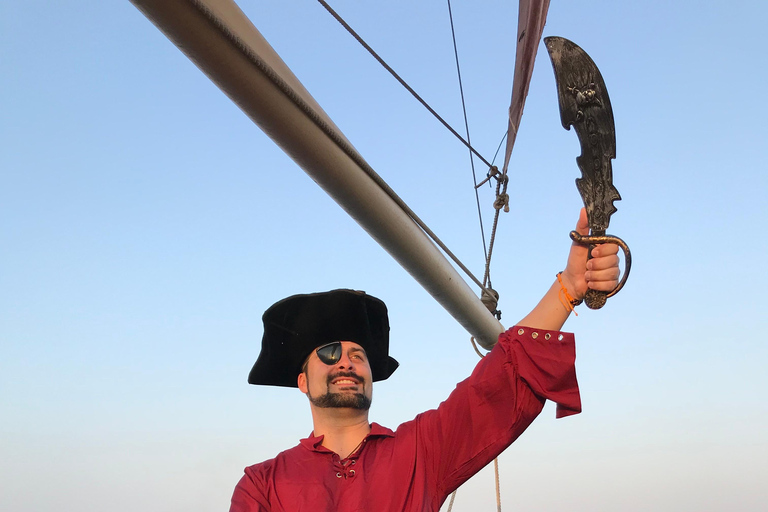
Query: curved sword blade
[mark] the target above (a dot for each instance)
(584, 104)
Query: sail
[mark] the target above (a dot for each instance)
(530, 24)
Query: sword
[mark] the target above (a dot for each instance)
(584, 104)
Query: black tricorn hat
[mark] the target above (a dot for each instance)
(297, 325)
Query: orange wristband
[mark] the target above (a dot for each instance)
(568, 301)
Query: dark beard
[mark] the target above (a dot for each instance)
(341, 400)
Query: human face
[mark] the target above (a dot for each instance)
(343, 384)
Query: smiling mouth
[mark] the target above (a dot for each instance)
(345, 382)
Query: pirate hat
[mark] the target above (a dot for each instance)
(297, 325)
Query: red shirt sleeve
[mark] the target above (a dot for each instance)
(490, 409)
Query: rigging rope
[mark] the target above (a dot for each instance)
(402, 82)
(466, 127)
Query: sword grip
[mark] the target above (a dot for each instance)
(595, 299)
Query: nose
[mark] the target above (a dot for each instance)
(345, 363)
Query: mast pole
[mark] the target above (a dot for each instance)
(218, 37)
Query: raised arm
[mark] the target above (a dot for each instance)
(532, 362)
(599, 273)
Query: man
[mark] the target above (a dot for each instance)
(333, 345)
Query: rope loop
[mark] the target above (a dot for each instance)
(490, 299)
(502, 201)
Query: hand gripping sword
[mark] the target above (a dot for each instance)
(584, 104)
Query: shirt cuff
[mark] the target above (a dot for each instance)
(545, 361)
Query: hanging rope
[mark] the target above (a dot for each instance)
(501, 202)
(495, 461)
(453, 497)
(498, 491)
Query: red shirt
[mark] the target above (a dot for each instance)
(416, 467)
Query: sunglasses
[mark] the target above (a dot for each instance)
(330, 353)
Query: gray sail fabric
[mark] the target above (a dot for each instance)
(530, 24)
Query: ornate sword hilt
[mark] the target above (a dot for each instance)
(595, 299)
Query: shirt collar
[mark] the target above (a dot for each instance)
(314, 443)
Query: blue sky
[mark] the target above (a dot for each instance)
(146, 223)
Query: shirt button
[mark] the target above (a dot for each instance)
(353, 462)
(351, 472)
(338, 475)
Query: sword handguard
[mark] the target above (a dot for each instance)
(595, 299)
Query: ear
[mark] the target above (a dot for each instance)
(302, 382)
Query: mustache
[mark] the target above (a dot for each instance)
(349, 375)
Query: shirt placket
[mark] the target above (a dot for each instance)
(345, 468)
